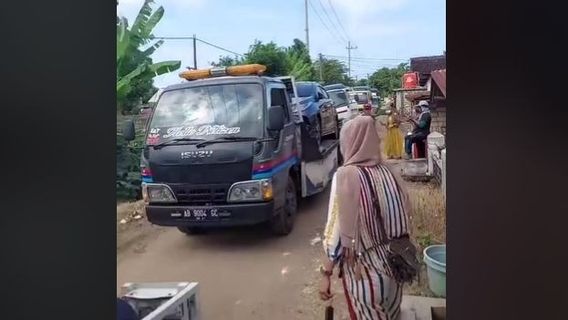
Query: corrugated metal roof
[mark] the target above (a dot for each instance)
(425, 65)
(439, 77)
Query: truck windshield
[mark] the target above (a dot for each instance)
(213, 110)
(339, 98)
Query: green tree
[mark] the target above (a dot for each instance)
(227, 61)
(272, 56)
(388, 79)
(299, 62)
(134, 65)
(333, 71)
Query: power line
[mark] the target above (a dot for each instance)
(365, 58)
(331, 22)
(338, 20)
(323, 23)
(202, 41)
(220, 48)
(174, 38)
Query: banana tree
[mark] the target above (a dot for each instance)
(128, 44)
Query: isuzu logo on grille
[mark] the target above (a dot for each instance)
(196, 154)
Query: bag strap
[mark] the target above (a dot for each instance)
(376, 204)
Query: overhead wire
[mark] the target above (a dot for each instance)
(338, 20)
(200, 40)
(364, 58)
(331, 22)
(333, 35)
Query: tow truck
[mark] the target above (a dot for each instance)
(228, 147)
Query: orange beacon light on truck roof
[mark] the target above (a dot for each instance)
(242, 70)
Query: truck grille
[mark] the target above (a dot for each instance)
(201, 195)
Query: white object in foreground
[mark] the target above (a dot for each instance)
(163, 300)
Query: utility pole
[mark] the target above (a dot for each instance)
(321, 67)
(307, 29)
(349, 48)
(194, 52)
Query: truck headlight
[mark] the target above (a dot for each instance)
(154, 192)
(254, 190)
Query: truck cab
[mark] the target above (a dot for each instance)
(223, 151)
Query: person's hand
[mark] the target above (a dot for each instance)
(325, 288)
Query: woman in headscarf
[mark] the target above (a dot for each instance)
(393, 140)
(356, 234)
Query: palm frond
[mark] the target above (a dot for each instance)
(148, 52)
(139, 24)
(164, 67)
(122, 38)
(152, 22)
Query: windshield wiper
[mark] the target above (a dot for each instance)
(230, 139)
(175, 141)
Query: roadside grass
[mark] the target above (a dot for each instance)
(428, 226)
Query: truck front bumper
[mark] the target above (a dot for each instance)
(225, 216)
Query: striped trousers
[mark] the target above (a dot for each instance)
(376, 296)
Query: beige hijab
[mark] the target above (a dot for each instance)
(360, 146)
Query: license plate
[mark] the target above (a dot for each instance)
(202, 214)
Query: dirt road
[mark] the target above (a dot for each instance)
(243, 273)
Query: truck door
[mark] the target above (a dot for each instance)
(284, 155)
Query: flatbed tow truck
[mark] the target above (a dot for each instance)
(228, 147)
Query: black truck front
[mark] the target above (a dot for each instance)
(205, 187)
(197, 163)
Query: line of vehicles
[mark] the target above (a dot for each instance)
(232, 147)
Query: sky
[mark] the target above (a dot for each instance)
(385, 32)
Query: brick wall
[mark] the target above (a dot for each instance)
(438, 120)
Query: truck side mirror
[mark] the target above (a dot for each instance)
(128, 130)
(275, 118)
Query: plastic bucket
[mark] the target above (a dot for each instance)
(435, 259)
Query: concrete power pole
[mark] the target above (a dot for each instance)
(321, 67)
(307, 29)
(194, 53)
(349, 48)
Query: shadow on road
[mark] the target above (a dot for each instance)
(259, 236)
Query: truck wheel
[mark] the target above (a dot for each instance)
(283, 223)
(191, 230)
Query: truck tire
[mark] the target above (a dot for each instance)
(283, 223)
(191, 230)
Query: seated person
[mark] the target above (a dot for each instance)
(421, 128)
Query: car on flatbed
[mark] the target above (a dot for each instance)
(317, 109)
